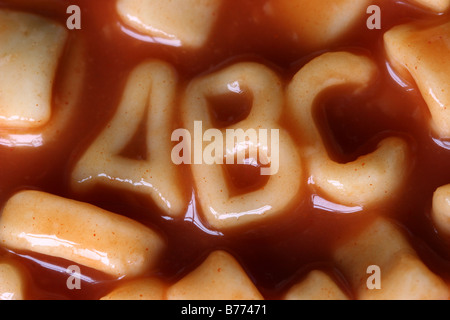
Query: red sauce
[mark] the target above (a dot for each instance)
(274, 253)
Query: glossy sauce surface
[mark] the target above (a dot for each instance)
(275, 253)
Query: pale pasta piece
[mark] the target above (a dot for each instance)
(423, 54)
(372, 177)
(316, 286)
(66, 96)
(141, 289)
(321, 22)
(149, 97)
(220, 207)
(175, 22)
(440, 212)
(11, 282)
(219, 277)
(79, 232)
(30, 49)
(402, 274)
(435, 5)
